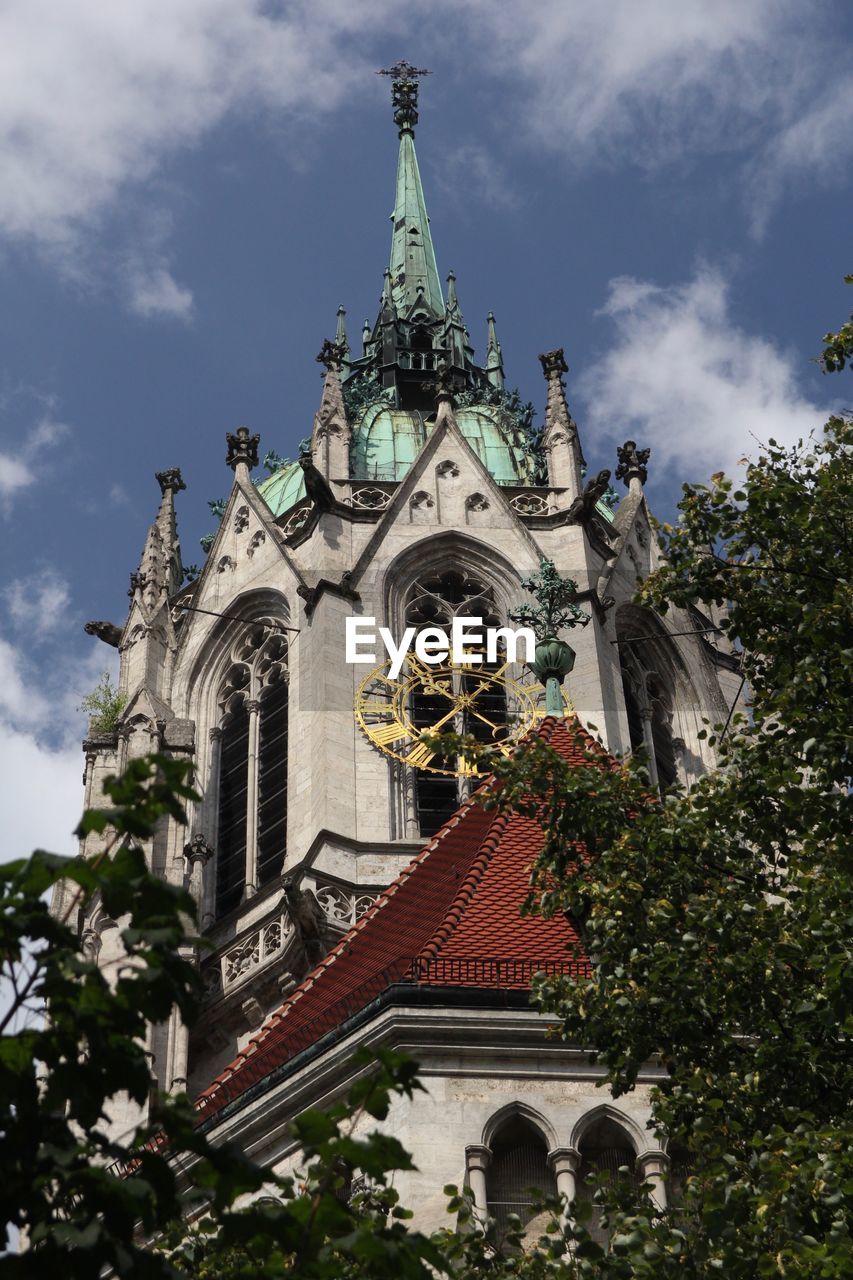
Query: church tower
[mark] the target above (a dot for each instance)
(426, 492)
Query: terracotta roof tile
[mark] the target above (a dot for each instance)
(452, 918)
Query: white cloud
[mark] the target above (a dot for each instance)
(45, 794)
(40, 734)
(816, 146)
(681, 376)
(20, 469)
(155, 292)
(38, 603)
(94, 97)
(473, 176)
(14, 475)
(649, 83)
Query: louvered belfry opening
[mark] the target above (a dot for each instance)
(233, 805)
(252, 764)
(434, 600)
(606, 1149)
(518, 1175)
(272, 780)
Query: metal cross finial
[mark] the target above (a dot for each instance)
(404, 93)
(403, 70)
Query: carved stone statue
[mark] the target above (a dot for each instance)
(583, 506)
(106, 631)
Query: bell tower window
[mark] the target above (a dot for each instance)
(252, 803)
(648, 697)
(518, 1174)
(433, 601)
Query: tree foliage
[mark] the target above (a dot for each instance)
(720, 920)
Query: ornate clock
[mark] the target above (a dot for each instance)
(490, 703)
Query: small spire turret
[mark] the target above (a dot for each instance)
(559, 433)
(341, 338)
(494, 357)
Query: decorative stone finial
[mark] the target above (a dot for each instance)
(242, 448)
(632, 462)
(404, 93)
(198, 850)
(557, 609)
(331, 354)
(553, 363)
(170, 479)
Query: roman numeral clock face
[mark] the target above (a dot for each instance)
(495, 704)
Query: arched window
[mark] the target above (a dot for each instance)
(605, 1149)
(518, 1174)
(252, 803)
(647, 686)
(434, 600)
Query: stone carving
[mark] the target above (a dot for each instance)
(296, 522)
(554, 363)
(307, 919)
(331, 354)
(170, 479)
(212, 980)
(242, 448)
(529, 504)
(447, 468)
(106, 631)
(254, 952)
(241, 519)
(632, 462)
(477, 502)
(343, 909)
(241, 959)
(335, 905)
(198, 850)
(258, 539)
(225, 563)
(421, 499)
(583, 506)
(369, 498)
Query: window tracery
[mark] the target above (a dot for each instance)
(252, 801)
(648, 691)
(433, 600)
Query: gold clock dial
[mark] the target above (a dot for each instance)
(492, 704)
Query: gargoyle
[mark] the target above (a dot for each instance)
(307, 918)
(106, 631)
(583, 506)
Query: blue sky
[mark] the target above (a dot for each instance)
(191, 187)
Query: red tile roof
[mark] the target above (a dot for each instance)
(450, 919)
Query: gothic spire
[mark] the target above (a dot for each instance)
(160, 571)
(494, 359)
(414, 274)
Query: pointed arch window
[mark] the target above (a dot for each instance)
(518, 1174)
(434, 600)
(605, 1149)
(252, 771)
(647, 688)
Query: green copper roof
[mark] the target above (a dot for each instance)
(386, 442)
(283, 489)
(414, 274)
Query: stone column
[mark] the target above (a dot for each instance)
(254, 709)
(648, 739)
(565, 1162)
(477, 1160)
(654, 1166)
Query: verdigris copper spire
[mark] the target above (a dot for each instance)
(414, 274)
